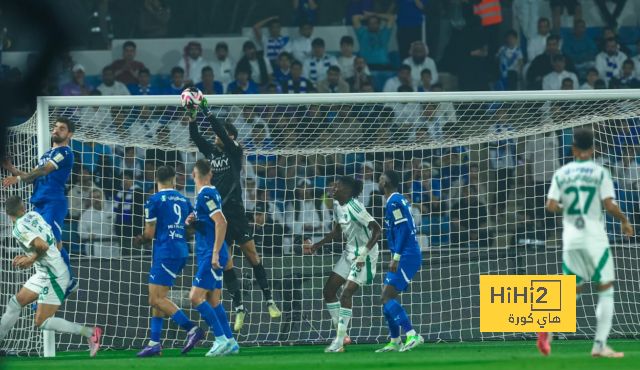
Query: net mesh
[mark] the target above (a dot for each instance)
(476, 174)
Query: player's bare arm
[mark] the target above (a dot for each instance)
(334, 233)
(612, 209)
(554, 206)
(148, 234)
(221, 231)
(376, 231)
(24, 262)
(7, 165)
(29, 177)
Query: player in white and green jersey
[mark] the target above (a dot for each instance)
(357, 266)
(47, 285)
(580, 190)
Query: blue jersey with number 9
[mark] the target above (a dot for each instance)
(169, 209)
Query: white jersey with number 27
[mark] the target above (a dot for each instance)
(581, 186)
(354, 221)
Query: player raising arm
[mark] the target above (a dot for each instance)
(211, 255)
(165, 215)
(357, 266)
(405, 263)
(584, 188)
(226, 163)
(36, 239)
(49, 179)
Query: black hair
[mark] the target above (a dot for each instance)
(203, 166)
(205, 69)
(346, 40)
(175, 70)
(108, 68)
(222, 45)
(628, 61)
(165, 173)
(437, 86)
(543, 20)
(317, 42)
(608, 40)
(558, 58)
(394, 179)
(240, 69)
(237, 90)
(553, 37)
(334, 69)
(129, 43)
(127, 173)
(95, 92)
(582, 139)
(405, 67)
(405, 88)
(599, 85)
(248, 45)
(144, 70)
(296, 63)
(568, 79)
(365, 84)
(511, 33)
(356, 185)
(231, 129)
(426, 70)
(271, 86)
(593, 70)
(284, 54)
(13, 205)
(71, 127)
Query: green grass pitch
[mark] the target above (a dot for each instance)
(490, 355)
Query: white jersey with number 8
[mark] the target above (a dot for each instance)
(581, 186)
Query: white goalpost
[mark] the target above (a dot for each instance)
(475, 166)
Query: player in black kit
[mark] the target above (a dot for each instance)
(226, 163)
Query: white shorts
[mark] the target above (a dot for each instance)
(347, 270)
(595, 264)
(50, 289)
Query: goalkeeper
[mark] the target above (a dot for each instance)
(226, 163)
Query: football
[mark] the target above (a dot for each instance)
(191, 96)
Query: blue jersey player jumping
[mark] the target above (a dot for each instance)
(49, 179)
(406, 262)
(212, 256)
(166, 213)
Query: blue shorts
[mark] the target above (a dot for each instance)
(208, 278)
(164, 271)
(402, 277)
(54, 214)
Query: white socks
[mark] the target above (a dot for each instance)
(63, 326)
(411, 333)
(343, 324)
(604, 314)
(10, 317)
(334, 311)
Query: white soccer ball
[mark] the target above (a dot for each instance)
(191, 96)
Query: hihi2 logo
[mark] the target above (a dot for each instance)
(527, 303)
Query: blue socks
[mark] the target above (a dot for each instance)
(394, 329)
(398, 315)
(181, 319)
(210, 317)
(224, 322)
(156, 328)
(65, 257)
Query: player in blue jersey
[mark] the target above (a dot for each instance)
(405, 263)
(166, 213)
(49, 179)
(212, 256)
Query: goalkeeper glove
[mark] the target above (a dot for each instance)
(203, 107)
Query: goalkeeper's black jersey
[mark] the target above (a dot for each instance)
(225, 165)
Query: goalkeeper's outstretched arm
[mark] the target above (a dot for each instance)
(203, 145)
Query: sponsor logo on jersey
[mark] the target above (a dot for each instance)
(220, 162)
(397, 214)
(58, 157)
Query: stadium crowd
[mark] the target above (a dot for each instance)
(454, 200)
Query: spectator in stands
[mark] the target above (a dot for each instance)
(538, 44)
(154, 20)
(611, 33)
(574, 8)
(223, 66)
(409, 20)
(627, 170)
(307, 213)
(609, 62)
(431, 121)
(305, 11)
(472, 57)
(554, 80)
(542, 158)
(469, 220)
(243, 83)
(316, 67)
(146, 126)
(609, 18)
(357, 7)
(96, 228)
(177, 82)
(360, 75)
(418, 61)
(374, 39)
(128, 209)
(109, 85)
(245, 121)
(592, 78)
(192, 63)
(76, 87)
(258, 140)
(301, 47)
(403, 78)
(426, 191)
(526, 229)
(143, 86)
(162, 157)
(79, 194)
(208, 84)
(283, 72)
(527, 12)
(502, 159)
(543, 64)
(297, 84)
(130, 162)
(510, 58)
(600, 85)
(636, 59)
(370, 185)
(347, 58)
(628, 78)
(425, 81)
(260, 67)
(149, 181)
(580, 48)
(90, 150)
(127, 68)
(271, 89)
(333, 83)
(273, 44)
(453, 171)
(267, 233)
(366, 88)
(567, 84)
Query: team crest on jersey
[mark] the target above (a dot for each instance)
(346, 217)
(164, 198)
(397, 214)
(212, 205)
(579, 223)
(58, 157)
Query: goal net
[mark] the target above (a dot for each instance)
(476, 168)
